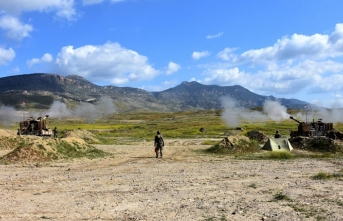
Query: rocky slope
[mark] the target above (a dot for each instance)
(40, 90)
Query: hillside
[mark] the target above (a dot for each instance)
(39, 90)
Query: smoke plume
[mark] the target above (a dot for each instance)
(8, 115)
(314, 113)
(90, 112)
(87, 111)
(234, 114)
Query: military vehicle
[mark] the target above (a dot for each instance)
(36, 127)
(312, 129)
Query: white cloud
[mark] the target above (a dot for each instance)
(288, 78)
(197, 55)
(14, 28)
(6, 55)
(63, 8)
(109, 62)
(225, 76)
(215, 36)
(331, 83)
(45, 58)
(172, 68)
(11, 10)
(227, 54)
(298, 46)
(293, 65)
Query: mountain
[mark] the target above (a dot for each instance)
(40, 90)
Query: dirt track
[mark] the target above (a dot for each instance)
(184, 185)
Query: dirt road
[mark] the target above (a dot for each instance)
(184, 185)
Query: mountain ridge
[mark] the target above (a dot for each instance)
(73, 88)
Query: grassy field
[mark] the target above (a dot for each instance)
(174, 125)
(123, 129)
(189, 124)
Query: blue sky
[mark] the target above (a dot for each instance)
(285, 48)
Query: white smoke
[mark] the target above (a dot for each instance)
(314, 113)
(233, 115)
(9, 115)
(87, 111)
(275, 111)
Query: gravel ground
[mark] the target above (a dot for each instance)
(184, 185)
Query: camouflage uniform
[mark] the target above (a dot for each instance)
(158, 144)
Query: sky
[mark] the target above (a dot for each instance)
(284, 48)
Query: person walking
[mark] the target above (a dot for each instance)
(158, 144)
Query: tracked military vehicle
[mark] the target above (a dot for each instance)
(312, 129)
(36, 127)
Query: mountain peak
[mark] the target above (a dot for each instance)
(186, 96)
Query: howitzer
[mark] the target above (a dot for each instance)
(36, 127)
(294, 119)
(312, 129)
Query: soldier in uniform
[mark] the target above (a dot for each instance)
(158, 144)
(277, 135)
(55, 132)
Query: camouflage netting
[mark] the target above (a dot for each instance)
(234, 144)
(258, 136)
(317, 144)
(29, 149)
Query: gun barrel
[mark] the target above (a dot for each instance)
(294, 119)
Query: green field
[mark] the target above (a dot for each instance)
(190, 124)
(124, 129)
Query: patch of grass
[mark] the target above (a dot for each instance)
(281, 196)
(75, 151)
(209, 142)
(280, 155)
(40, 146)
(308, 210)
(253, 185)
(322, 176)
(326, 176)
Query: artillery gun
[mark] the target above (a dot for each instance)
(312, 129)
(36, 127)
